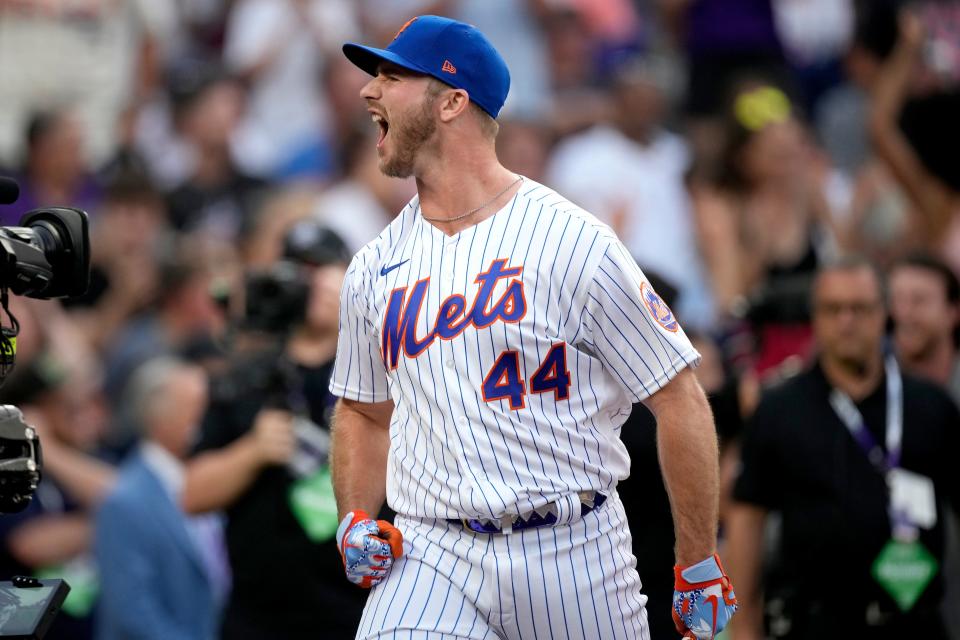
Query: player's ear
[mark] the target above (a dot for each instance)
(453, 103)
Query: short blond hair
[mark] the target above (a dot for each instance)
(488, 125)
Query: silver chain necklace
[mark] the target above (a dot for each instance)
(473, 211)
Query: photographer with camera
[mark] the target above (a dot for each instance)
(262, 455)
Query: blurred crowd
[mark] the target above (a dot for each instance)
(738, 147)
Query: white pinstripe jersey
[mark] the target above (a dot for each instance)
(512, 352)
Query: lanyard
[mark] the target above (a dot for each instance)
(848, 413)
(850, 416)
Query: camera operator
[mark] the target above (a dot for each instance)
(262, 458)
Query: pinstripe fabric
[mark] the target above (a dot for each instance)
(569, 582)
(513, 352)
(454, 453)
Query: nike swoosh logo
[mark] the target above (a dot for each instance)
(713, 601)
(385, 270)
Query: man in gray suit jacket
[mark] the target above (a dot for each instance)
(161, 574)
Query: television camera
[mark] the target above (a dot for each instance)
(47, 255)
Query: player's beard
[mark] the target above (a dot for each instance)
(410, 133)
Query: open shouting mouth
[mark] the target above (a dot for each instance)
(384, 127)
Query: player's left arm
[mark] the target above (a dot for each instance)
(689, 459)
(644, 350)
(703, 600)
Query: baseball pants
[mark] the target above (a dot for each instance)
(574, 581)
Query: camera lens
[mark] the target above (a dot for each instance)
(47, 236)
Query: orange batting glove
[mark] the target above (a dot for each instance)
(703, 599)
(368, 547)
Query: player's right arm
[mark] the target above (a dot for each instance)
(359, 447)
(361, 419)
(361, 440)
(361, 437)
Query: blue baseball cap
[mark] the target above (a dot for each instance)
(452, 52)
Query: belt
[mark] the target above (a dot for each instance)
(544, 517)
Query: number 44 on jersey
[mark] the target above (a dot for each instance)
(503, 379)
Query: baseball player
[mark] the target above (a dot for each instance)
(492, 340)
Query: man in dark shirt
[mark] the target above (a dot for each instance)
(826, 472)
(262, 458)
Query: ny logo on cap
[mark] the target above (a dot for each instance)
(448, 67)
